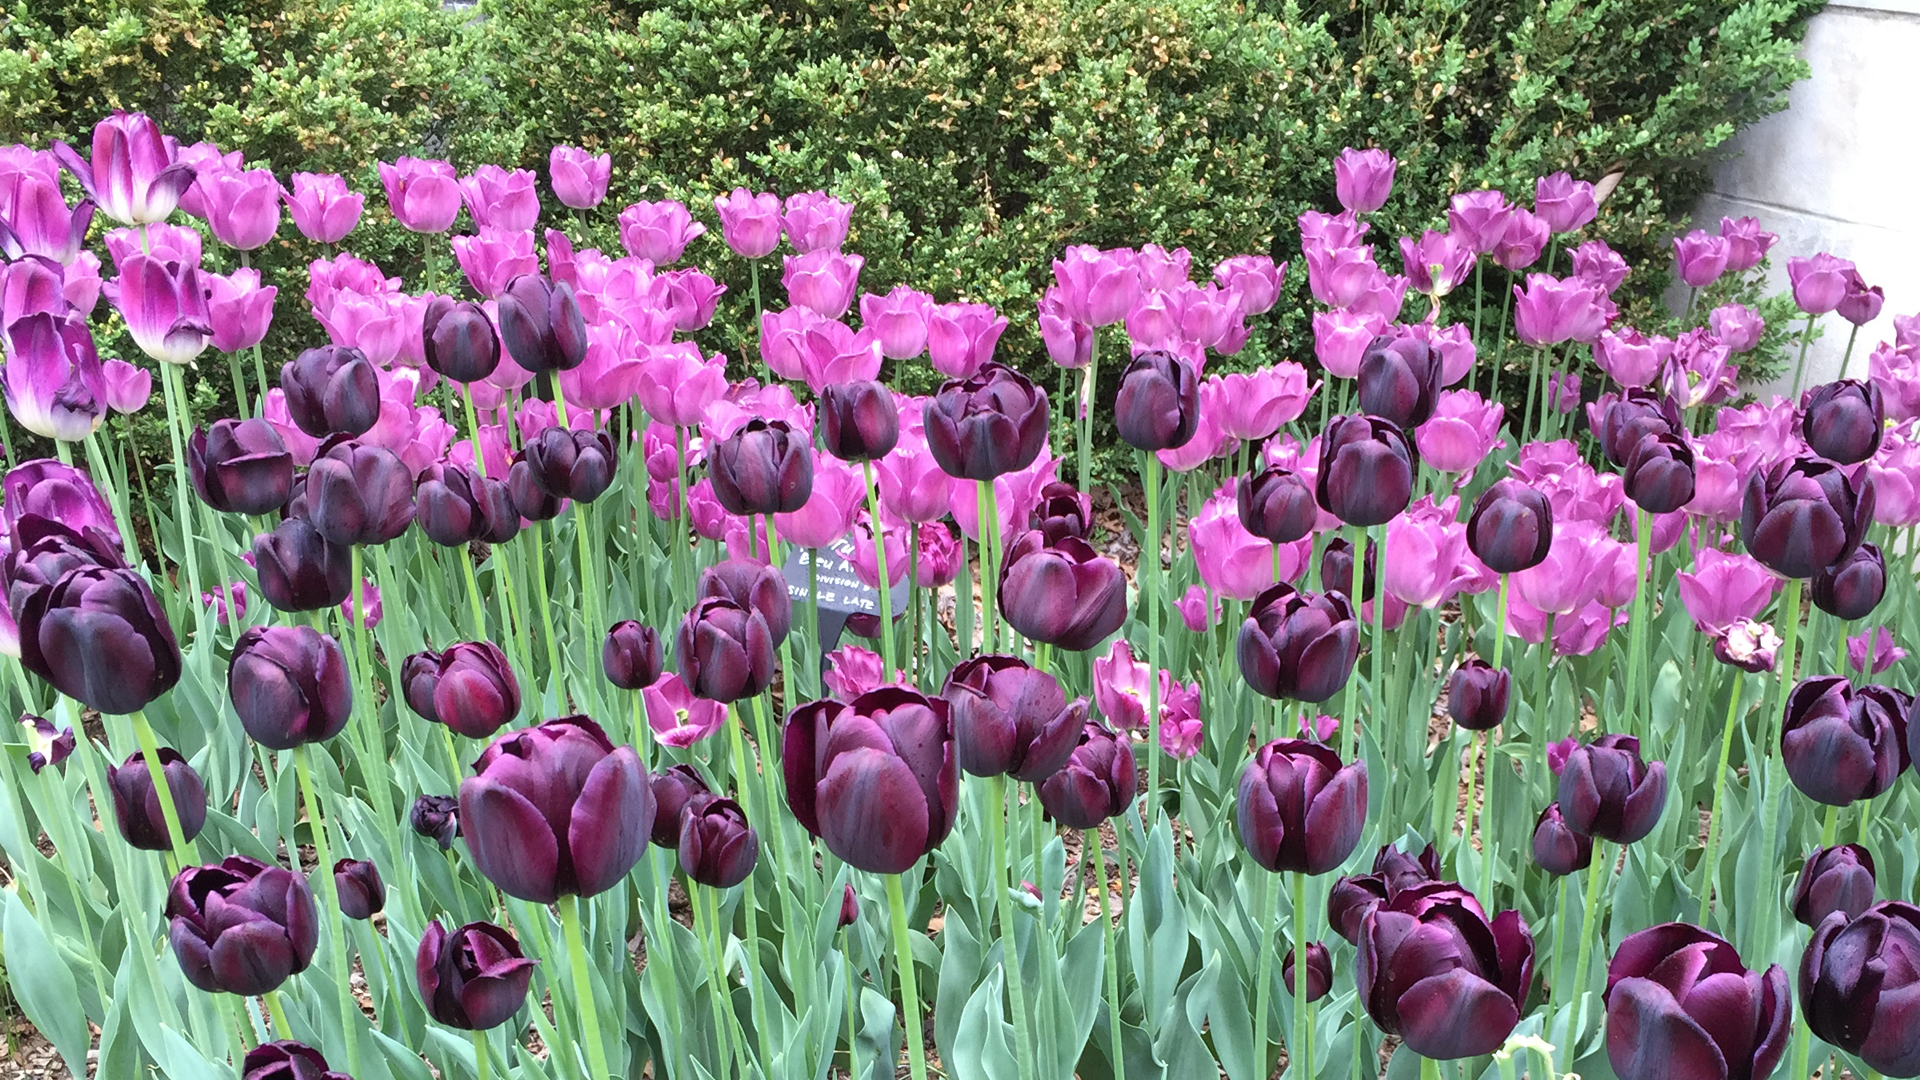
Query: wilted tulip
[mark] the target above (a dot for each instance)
(1842, 743)
(1511, 528)
(1366, 470)
(459, 340)
(473, 978)
(133, 175)
(357, 883)
(749, 223)
(136, 802)
(1011, 718)
(1862, 303)
(301, 570)
(1354, 896)
(763, 468)
(1158, 405)
(1276, 505)
(454, 507)
(572, 464)
(718, 848)
(1833, 879)
(1362, 179)
(1557, 849)
(289, 685)
(1680, 1003)
(1299, 809)
(1477, 695)
(541, 325)
(1844, 421)
(1064, 594)
(1852, 587)
(287, 1060)
(1658, 473)
(332, 390)
(874, 777)
(1443, 977)
(1400, 380)
(754, 586)
(630, 657)
(98, 635)
(436, 817)
(1096, 783)
(1297, 645)
(240, 926)
(1606, 791)
(988, 425)
(556, 810)
(1063, 511)
(1857, 985)
(1319, 971)
(1748, 645)
(359, 493)
(46, 745)
(240, 466)
(1804, 515)
(322, 207)
(859, 421)
(725, 651)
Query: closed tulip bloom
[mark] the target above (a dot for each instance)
(165, 307)
(1354, 896)
(240, 466)
(1680, 1003)
(1564, 203)
(1443, 977)
(873, 778)
(239, 310)
(1633, 416)
(474, 689)
(824, 280)
(289, 686)
(418, 675)
(454, 507)
(1511, 528)
(322, 207)
(1852, 587)
(1858, 980)
(473, 978)
(1064, 594)
(98, 635)
(1158, 405)
(530, 500)
(1659, 473)
(541, 325)
(1299, 808)
(1557, 849)
(1833, 879)
(1521, 243)
(1254, 278)
(1010, 718)
(35, 220)
(1700, 257)
(301, 570)
(240, 926)
(1063, 511)
(572, 464)
(357, 883)
(630, 657)
(1804, 515)
(961, 337)
(358, 493)
(287, 1060)
(133, 176)
(136, 803)
(501, 199)
(1477, 695)
(1844, 421)
(718, 848)
(579, 179)
(725, 651)
(52, 378)
(1606, 791)
(1096, 783)
(1600, 265)
(1631, 358)
(243, 208)
(816, 221)
(1319, 971)
(1479, 219)
(332, 390)
(1819, 282)
(763, 468)
(898, 320)
(859, 421)
(752, 585)
(849, 907)
(423, 195)
(1842, 743)
(1551, 310)
(1724, 589)
(1366, 470)
(986, 426)
(1400, 380)
(435, 817)
(658, 231)
(749, 223)
(459, 340)
(1276, 505)
(1362, 179)
(1299, 646)
(1862, 303)
(674, 791)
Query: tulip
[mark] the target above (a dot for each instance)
(470, 688)
(1551, 310)
(1254, 406)
(1857, 980)
(754, 586)
(1366, 470)
(658, 231)
(961, 337)
(299, 569)
(454, 507)
(763, 468)
(1842, 743)
(541, 325)
(1511, 528)
(1477, 695)
(749, 223)
(677, 384)
(1479, 219)
(1011, 718)
(1862, 303)
(1819, 283)
(873, 778)
(1158, 403)
(243, 208)
(332, 390)
(1096, 783)
(1680, 1003)
(436, 817)
(1557, 849)
(1255, 279)
(725, 650)
(35, 220)
(1442, 976)
(240, 466)
(61, 495)
(1701, 370)
(357, 883)
(357, 493)
(1062, 594)
(98, 635)
(1607, 792)
(165, 308)
(678, 718)
(860, 421)
(899, 321)
(1833, 879)
(1463, 429)
(47, 745)
(1747, 244)
(289, 685)
(494, 257)
(1353, 897)
(816, 221)
(1276, 505)
(1521, 243)
(286, 1060)
(240, 926)
(631, 655)
(1297, 645)
(136, 803)
(1063, 511)
(1723, 589)
(530, 500)
(1095, 288)
(1438, 263)
(128, 387)
(1400, 379)
(132, 177)
(1874, 652)
(1564, 203)
(1362, 179)
(1299, 809)
(473, 978)
(718, 848)
(1804, 515)
(1631, 358)
(322, 207)
(1852, 587)
(423, 195)
(674, 791)
(239, 309)
(1844, 421)
(1319, 971)
(572, 464)
(52, 379)
(988, 425)
(824, 280)
(1659, 473)
(1700, 258)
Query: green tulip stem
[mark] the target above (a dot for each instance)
(1598, 870)
(1765, 927)
(323, 854)
(1555, 992)
(880, 562)
(536, 566)
(278, 1014)
(988, 526)
(173, 391)
(914, 672)
(366, 712)
(1500, 621)
(585, 1002)
(1840, 649)
(1091, 839)
(473, 594)
(1150, 600)
(1266, 934)
(1542, 686)
(260, 376)
(1846, 358)
(1709, 863)
(677, 549)
(660, 941)
(1479, 275)
(756, 976)
(909, 981)
(765, 735)
(150, 750)
(1429, 1069)
(116, 498)
(759, 312)
(1009, 941)
(1800, 366)
(1299, 1055)
(1830, 830)
(1638, 722)
(1377, 641)
(482, 1059)
(58, 823)
(453, 756)
(1527, 427)
(589, 594)
(1085, 418)
(852, 1010)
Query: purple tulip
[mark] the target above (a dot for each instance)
(1299, 808)
(359, 493)
(454, 507)
(1564, 203)
(961, 337)
(718, 848)
(1511, 528)
(165, 307)
(1276, 505)
(332, 390)
(1658, 474)
(459, 339)
(763, 468)
(1606, 791)
(1254, 279)
(1833, 879)
(1819, 282)
(495, 257)
(1634, 415)
(136, 802)
(1158, 405)
(1631, 358)
(240, 926)
(474, 690)
(749, 223)
(1803, 515)
(1438, 263)
(1353, 897)
(357, 883)
(1096, 783)
(34, 218)
(815, 221)
(1440, 975)
(571, 464)
(988, 425)
(1747, 243)
(1063, 511)
(286, 1059)
(501, 199)
(1297, 645)
(1011, 718)
(1853, 587)
(1551, 310)
(436, 818)
(1844, 421)
(658, 231)
(725, 651)
(473, 978)
(322, 207)
(860, 421)
(132, 177)
(1477, 695)
(1063, 594)
(630, 657)
(1521, 243)
(423, 194)
(1599, 265)
(1479, 219)
(754, 586)
(239, 309)
(541, 325)
(1319, 971)
(1400, 380)
(1857, 985)
(46, 745)
(243, 208)
(96, 634)
(63, 497)
(1096, 288)
(1862, 303)
(1700, 258)
(874, 777)
(53, 382)
(30, 286)
(301, 570)
(289, 686)
(674, 791)
(240, 467)
(1366, 470)
(824, 280)
(1557, 849)
(1680, 1003)
(1723, 589)
(1362, 179)
(530, 500)
(899, 322)
(1843, 743)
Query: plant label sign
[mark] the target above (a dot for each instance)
(842, 593)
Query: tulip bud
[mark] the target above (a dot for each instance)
(473, 978)
(1363, 179)
(286, 1060)
(1658, 473)
(1011, 718)
(763, 468)
(359, 493)
(988, 425)
(358, 885)
(454, 507)
(1633, 416)
(1511, 528)
(541, 325)
(332, 390)
(473, 688)
(755, 586)
(1096, 783)
(1833, 879)
(530, 500)
(1441, 975)
(1299, 809)
(1804, 515)
(1400, 380)
(1319, 971)
(1276, 505)
(1477, 695)
(1844, 421)
(673, 792)
(1158, 404)
(240, 466)
(136, 803)
(1858, 982)
(1297, 645)
(458, 340)
(571, 464)
(725, 651)
(289, 686)
(874, 777)
(849, 907)
(631, 655)
(859, 421)
(1680, 1003)
(718, 848)
(1063, 511)
(1063, 594)
(437, 818)
(1557, 849)
(300, 570)
(1606, 791)
(1366, 470)
(240, 926)
(1842, 743)
(1337, 570)
(1852, 587)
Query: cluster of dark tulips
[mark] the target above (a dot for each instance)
(1502, 668)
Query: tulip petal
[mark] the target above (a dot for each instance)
(1335, 818)
(252, 958)
(611, 821)
(509, 840)
(1456, 1014)
(872, 812)
(1648, 1036)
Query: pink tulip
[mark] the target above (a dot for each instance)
(31, 286)
(1895, 469)
(165, 308)
(327, 278)
(322, 207)
(1522, 242)
(607, 377)
(1210, 316)
(579, 179)
(1121, 687)
(423, 195)
(1581, 555)
(133, 176)
(1068, 343)
(1699, 258)
(128, 387)
(417, 434)
(1254, 277)
(1862, 303)
(1340, 276)
(1574, 489)
(830, 353)
(1163, 269)
(1578, 634)
(913, 486)
(501, 199)
(1454, 344)
(1737, 326)
(658, 231)
(301, 445)
(1362, 179)
(679, 719)
(1254, 406)
(1015, 494)
(34, 217)
(1181, 733)
(1718, 486)
(1208, 441)
(1438, 263)
(677, 382)
(167, 243)
(1600, 265)
(1564, 203)
(382, 325)
(206, 160)
(1479, 219)
(1819, 283)
(1747, 243)
(1629, 357)
(1427, 553)
(749, 223)
(1382, 295)
(369, 610)
(80, 284)
(693, 297)
(709, 518)
(1195, 611)
(243, 208)
(745, 401)
(52, 379)
(852, 671)
(1700, 371)
(939, 556)
(495, 257)
(961, 337)
(1096, 287)
(898, 320)
(1722, 589)
(1873, 652)
(1895, 369)
(1232, 561)
(239, 309)
(838, 496)
(1462, 431)
(1154, 322)
(781, 335)
(1551, 310)
(816, 221)
(824, 279)
(1340, 339)
(865, 566)
(1324, 232)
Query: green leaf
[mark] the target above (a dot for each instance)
(982, 1047)
(44, 985)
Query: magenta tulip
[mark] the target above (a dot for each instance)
(816, 221)
(898, 321)
(1819, 283)
(1362, 179)
(52, 379)
(133, 176)
(423, 194)
(658, 231)
(823, 279)
(239, 309)
(961, 337)
(322, 207)
(1700, 258)
(749, 223)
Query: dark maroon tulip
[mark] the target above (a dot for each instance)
(859, 421)
(459, 340)
(1063, 511)
(332, 390)
(1440, 975)
(1658, 473)
(1298, 645)
(1636, 414)
(1064, 594)
(1336, 570)
(240, 466)
(1158, 404)
(98, 635)
(1804, 515)
(1319, 971)
(1096, 783)
(1394, 870)
(572, 464)
(1276, 505)
(1852, 587)
(473, 688)
(1606, 791)
(1680, 1003)
(240, 926)
(473, 978)
(1833, 879)
(718, 848)
(454, 507)
(286, 1060)
(300, 570)
(1299, 808)
(1860, 986)
(44, 551)
(1843, 743)
(1511, 528)
(1011, 718)
(530, 500)
(359, 493)
(673, 791)
(755, 586)
(764, 468)
(630, 657)
(289, 685)
(436, 817)
(982, 427)
(849, 907)
(1366, 470)
(541, 324)
(874, 777)
(556, 810)
(1400, 380)
(1844, 421)
(419, 674)
(1557, 849)
(725, 651)
(1477, 695)
(136, 802)
(357, 883)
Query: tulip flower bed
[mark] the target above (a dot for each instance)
(473, 714)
